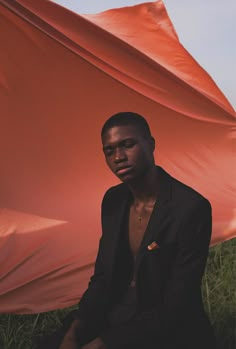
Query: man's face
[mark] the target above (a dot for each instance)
(128, 153)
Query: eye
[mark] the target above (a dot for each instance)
(129, 144)
(108, 151)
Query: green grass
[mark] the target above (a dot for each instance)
(219, 284)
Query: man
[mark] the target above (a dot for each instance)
(146, 289)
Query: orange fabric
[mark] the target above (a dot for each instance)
(61, 76)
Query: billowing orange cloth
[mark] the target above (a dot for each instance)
(61, 76)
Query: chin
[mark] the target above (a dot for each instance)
(129, 179)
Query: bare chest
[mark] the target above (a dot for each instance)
(138, 222)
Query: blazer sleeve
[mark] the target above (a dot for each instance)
(188, 269)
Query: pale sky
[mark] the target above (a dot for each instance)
(206, 28)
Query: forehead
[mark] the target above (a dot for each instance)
(119, 133)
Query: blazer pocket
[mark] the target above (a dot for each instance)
(154, 247)
(165, 251)
(169, 246)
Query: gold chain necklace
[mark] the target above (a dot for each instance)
(140, 217)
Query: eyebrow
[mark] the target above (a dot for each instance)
(118, 143)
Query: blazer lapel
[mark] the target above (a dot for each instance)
(116, 221)
(159, 216)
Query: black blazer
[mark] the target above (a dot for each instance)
(170, 309)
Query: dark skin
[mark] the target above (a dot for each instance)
(129, 155)
(125, 146)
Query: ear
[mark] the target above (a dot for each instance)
(152, 143)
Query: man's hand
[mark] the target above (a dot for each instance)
(68, 343)
(69, 340)
(97, 343)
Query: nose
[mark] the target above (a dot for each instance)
(119, 155)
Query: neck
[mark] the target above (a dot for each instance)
(144, 189)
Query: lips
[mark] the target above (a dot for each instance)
(123, 170)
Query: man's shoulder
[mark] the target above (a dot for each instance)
(184, 190)
(114, 198)
(183, 193)
(116, 191)
(180, 193)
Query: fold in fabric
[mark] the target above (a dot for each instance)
(61, 76)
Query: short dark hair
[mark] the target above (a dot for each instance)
(128, 118)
